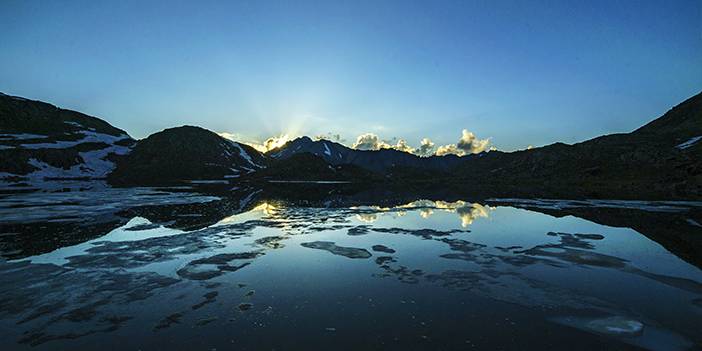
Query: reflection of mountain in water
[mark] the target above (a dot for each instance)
(674, 225)
(193, 269)
(46, 221)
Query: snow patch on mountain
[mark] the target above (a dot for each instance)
(95, 165)
(22, 136)
(88, 137)
(689, 143)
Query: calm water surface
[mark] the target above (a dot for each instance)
(421, 275)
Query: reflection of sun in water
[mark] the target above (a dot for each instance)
(266, 208)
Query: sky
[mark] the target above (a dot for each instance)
(511, 74)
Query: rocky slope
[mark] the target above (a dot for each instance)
(186, 153)
(311, 167)
(40, 141)
(662, 159)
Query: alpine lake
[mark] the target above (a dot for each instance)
(87, 266)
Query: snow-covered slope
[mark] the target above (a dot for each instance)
(40, 141)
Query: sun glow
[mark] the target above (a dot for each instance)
(276, 142)
(265, 146)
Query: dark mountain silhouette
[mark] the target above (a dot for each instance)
(662, 159)
(373, 160)
(184, 153)
(311, 167)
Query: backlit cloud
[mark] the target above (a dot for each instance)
(331, 137)
(266, 145)
(369, 141)
(426, 148)
(402, 146)
(468, 144)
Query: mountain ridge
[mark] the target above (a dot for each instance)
(661, 158)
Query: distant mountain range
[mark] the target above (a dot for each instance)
(373, 160)
(662, 159)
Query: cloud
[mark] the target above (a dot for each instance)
(266, 145)
(276, 141)
(230, 136)
(402, 146)
(369, 141)
(425, 149)
(331, 137)
(468, 144)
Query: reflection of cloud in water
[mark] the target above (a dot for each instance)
(468, 212)
(145, 261)
(367, 217)
(426, 212)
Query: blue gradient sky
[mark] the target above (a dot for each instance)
(522, 73)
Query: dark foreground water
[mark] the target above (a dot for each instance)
(497, 274)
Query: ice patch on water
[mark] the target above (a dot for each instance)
(630, 331)
(310, 181)
(212, 181)
(560, 204)
(38, 206)
(616, 325)
(121, 234)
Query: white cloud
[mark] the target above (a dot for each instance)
(402, 146)
(468, 144)
(369, 141)
(331, 137)
(426, 148)
(266, 145)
